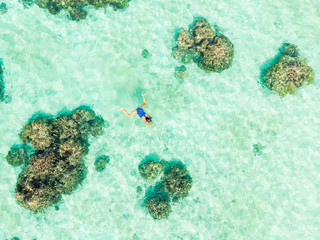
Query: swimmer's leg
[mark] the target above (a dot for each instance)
(127, 114)
(144, 101)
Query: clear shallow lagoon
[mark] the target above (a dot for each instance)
(210, 122)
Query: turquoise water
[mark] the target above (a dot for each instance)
(210, 122)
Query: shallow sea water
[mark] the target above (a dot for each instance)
(210, 122)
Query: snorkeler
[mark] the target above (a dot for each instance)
(145, 117)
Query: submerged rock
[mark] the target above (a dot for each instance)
(101, 162)
(288, 73)
(212, 52)
(145, 53)
(17, 156)
(57, 167)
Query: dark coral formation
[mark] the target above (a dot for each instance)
(57, 167)
(158, 206)
(101, 162)
(17, 156)
(3, 8)
(96, 126)
(150, 169)
(257, 149)
(1, 82)
(213, 52)
(288, 73)
(290, 50)
(145, 53)
(177, 181)
(76, 7)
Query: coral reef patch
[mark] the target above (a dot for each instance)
(76, 7)
(212, 51)
(158, 206)
(174, 184)
(57, 167)
(288, 73)
(150, 169)
(177, 181)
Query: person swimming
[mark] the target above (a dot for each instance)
(146, 118)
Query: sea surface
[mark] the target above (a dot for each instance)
(211, 121)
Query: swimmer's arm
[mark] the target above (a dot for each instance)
(145, 122)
